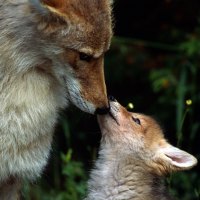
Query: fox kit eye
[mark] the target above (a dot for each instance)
(136, 120)
(85, 57)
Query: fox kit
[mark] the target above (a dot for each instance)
(134, 156)
(51, 54)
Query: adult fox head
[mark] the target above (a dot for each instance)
(76, 34)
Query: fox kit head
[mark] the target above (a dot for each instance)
(78, 34)
(140, 138)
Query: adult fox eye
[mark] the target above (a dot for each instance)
(85, 57)
(136, 120)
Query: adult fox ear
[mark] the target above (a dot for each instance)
(53, 6)
(175, 159)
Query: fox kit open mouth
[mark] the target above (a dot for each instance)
(113, 109)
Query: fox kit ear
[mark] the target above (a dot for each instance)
(175, 159)
(54, 6)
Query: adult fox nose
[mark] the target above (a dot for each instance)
(105, 110)
(102, 111)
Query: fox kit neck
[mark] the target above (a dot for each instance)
(123, 178)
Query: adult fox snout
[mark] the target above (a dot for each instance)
(88, 92)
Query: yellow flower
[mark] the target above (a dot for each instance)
(130, 106)
(188, 102)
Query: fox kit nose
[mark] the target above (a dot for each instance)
(105, 110)
(102, 111)
(111, 98)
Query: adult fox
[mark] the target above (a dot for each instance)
(51, 53)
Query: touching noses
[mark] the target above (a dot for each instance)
(105, 110)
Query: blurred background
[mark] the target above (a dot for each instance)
(153, 63)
